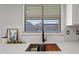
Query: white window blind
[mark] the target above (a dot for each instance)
(35, 13)
(52, 12)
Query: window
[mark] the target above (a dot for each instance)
(35, 13)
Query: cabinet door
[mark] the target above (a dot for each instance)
(68, 14)
(75, 14)
(72, 14)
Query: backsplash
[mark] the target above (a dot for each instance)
(71, 33)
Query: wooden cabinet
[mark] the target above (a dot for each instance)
(72, 14)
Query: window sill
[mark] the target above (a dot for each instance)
(38, 34)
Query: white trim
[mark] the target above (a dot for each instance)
(23, 19)
(63, 18)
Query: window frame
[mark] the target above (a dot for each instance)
(62, 9)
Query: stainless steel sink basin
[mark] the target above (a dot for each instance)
(36, 47)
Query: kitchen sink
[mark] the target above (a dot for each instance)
(43, 47)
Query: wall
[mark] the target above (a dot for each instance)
(0, 20)
(11, 16)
